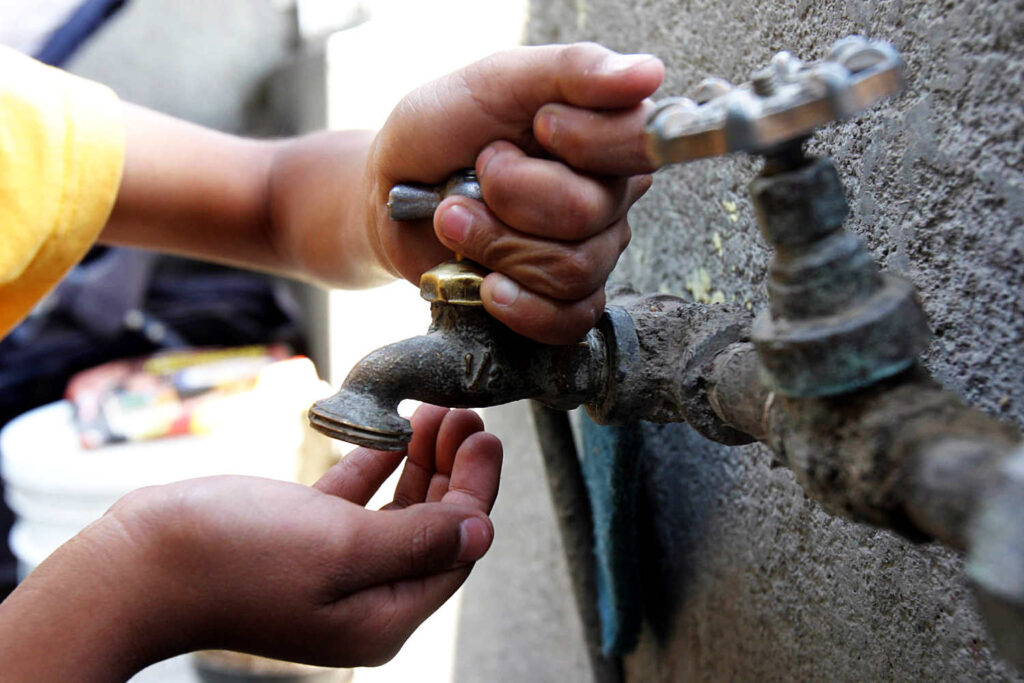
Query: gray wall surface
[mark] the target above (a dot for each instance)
(201, 61)
(745, 577)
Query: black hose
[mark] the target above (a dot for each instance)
(575, 526)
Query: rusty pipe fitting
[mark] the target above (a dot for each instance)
(904, 454)
(659, 347)
(736, 392)
(835, 322)
(995, 558)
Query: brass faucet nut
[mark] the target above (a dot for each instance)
(453, 282)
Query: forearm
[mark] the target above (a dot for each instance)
(88, 613)
(257, 204)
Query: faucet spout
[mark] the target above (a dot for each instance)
(467, 359)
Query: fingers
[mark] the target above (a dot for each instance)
(418, 541)
(555, 230)
(581, 74)
(552, 253)
(473, 470)
(419, 466)
(563, 270)
(432, 458)
(475, 474)
(561, 243)
(456, 428)
(497, 98)
(602, 142)
(545, 320)
(547, 198)
(466, 467)
(359, 474)
(392, 612)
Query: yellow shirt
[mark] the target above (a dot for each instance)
(61, 154)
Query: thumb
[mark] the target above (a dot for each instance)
(497, 98)
(420, 540)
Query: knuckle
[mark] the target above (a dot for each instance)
(345, 577)
(357, 465)
(574, 275)
(573, 143)
(131, 503)
(428, 548)
(581, 55)
(497, 251)
(141, 507)
(625, 235)
(498, 186)
(418, 548)
(578, 214)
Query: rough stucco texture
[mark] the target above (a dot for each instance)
(747, 579)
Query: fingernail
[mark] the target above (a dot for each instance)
(483, 158)
(505, 291)
(474, 539)
(455, 222)
(615, 64)
(545, 127)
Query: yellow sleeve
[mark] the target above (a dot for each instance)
(61, 154)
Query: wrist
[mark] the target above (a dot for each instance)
(322, 222)
(96, 610)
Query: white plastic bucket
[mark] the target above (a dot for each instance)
(56, 488)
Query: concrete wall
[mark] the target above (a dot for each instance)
(746, 578)
(200, 61)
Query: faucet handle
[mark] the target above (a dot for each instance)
(783, 102)
(452, 282)
(415, 201)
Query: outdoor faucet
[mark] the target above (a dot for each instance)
(466, 359)
(835, 324)
(830, 378)
(827, 377)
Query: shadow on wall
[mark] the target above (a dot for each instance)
(679, 491)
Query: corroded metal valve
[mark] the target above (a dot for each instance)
(835, 322)
(782, 102)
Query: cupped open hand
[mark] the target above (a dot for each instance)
(266, 567)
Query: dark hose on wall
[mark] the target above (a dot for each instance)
(572, 508)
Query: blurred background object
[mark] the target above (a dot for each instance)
(56, 484)
(52, 30)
